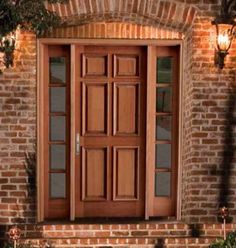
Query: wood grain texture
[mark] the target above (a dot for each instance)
(113, 108)
(56, 207)
(95, 108)
(126, 104)
(126, 173)
(94, 174)
(166, 205)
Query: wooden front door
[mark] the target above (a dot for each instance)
(110, 140)
(108, 131)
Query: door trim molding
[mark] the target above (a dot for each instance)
(73, 134)
(40, 131)
(115, 42)
(180, 132)
(150, 128)
(41, 45)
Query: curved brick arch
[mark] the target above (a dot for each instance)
(159, 13)
(115, 30)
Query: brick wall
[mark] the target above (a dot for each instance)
(186, 105)
(208, 97)
(175, 14)
(17, 132)
(142, 235)
(115, 30)
(209, 176)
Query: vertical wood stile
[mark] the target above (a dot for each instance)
(40, 131)
(180, 138)
(73, 135)
(150, 131)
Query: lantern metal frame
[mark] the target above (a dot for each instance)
(226, 17)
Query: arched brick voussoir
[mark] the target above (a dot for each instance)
(109, 30)
(159, 13)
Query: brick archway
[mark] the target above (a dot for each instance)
(114, 30)
(169, 14)
(129, 19)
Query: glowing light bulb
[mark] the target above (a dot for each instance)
(223, 42)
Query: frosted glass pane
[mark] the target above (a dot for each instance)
(164, 70)
(57, 70)
(163, 156)
(57, 185)
(58, 128)
(57, 99)
(164, 99)
(162, 184)
(163, 127)
(58, 157)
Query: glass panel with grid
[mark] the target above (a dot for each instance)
(164, 126)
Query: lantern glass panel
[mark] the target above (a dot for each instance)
(224, 37)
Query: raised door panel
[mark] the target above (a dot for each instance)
(126, 179)
(95, 109)
(94, 171)
(126, 109)
(94, 65)
(126, 65)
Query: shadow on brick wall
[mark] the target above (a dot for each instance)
(34, 233)
(26, 219)
(27, 213)
(227, 165)
(30, 168)
(160, 243)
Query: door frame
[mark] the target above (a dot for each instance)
(42, 44)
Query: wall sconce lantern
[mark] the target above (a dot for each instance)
(225, 25)
(7, 47)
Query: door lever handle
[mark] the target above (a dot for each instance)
(77, 144)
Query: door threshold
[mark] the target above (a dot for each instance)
(113, 220)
